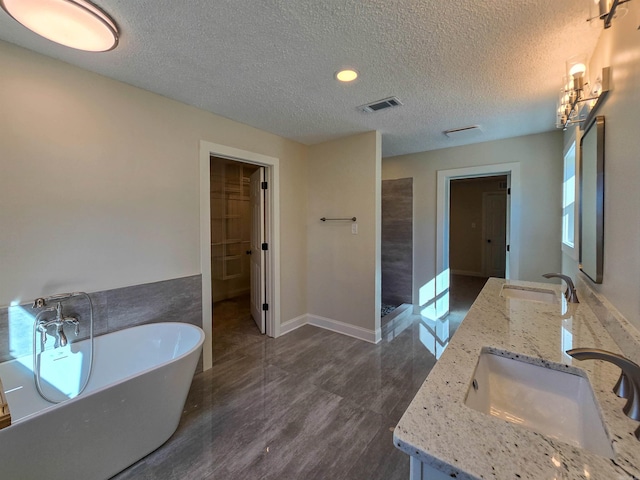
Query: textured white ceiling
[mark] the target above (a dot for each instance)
(271, 63)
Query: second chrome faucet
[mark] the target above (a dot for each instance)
(628, 385)
(570, 293)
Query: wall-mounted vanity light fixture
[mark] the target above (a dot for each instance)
(607, 10)
(74, 23)
(579, 98)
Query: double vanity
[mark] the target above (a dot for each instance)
(505, 400)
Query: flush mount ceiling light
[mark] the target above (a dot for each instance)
(73, 23)
(347, 75)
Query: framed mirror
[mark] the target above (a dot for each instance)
(592, 200)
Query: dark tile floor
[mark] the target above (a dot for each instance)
(312, 404)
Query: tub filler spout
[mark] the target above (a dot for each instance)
(59, 322)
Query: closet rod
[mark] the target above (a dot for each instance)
(324, 219)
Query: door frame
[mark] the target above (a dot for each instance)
(512, 170)
(272, 233)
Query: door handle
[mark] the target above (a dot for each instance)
(248, 252)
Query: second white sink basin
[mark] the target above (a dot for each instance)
(558, 404)
(529, 293)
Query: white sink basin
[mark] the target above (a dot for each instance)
(529, 293)
(558, 404)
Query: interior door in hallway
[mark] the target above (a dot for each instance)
(258, 282)
(494, 212)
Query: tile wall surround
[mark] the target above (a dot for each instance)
(175, 300)
(397, 241)
(626, 335)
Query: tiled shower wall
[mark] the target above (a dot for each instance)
(397, 241)
(176, 300)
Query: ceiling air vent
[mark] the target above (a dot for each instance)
(380, 105)
(464, 132)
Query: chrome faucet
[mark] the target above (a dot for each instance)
(59, 321)
(628, 385)
(570, 293)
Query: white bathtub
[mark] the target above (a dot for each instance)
(131, 406)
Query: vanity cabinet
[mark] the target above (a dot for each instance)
(420, 471)
(446, 437)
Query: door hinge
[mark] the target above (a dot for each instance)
(508, 248)
(264, 185)
(265, 307)
(265, 246)
(509, 191)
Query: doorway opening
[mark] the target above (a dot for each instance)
(237, 233)
(478, 226)
(477, 239)
(511, 252)
(224, 254)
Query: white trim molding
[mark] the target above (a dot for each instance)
(332, 325)
(293, 324)
(513, 212)
(345, 329)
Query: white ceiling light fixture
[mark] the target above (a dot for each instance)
(74, 23)
(347, 75)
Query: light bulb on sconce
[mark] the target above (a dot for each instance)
(577, 70)
(577, 73)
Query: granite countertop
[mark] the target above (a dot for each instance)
(442, 432)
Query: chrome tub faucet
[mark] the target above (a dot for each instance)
(570, 293)
(58, 322)
(628, 385)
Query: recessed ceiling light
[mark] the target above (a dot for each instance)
(347, 75)
(73, 23)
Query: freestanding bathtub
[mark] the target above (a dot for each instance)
(131, 406)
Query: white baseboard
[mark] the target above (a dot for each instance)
(367, 335)
(333, 325)
(291, 325)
